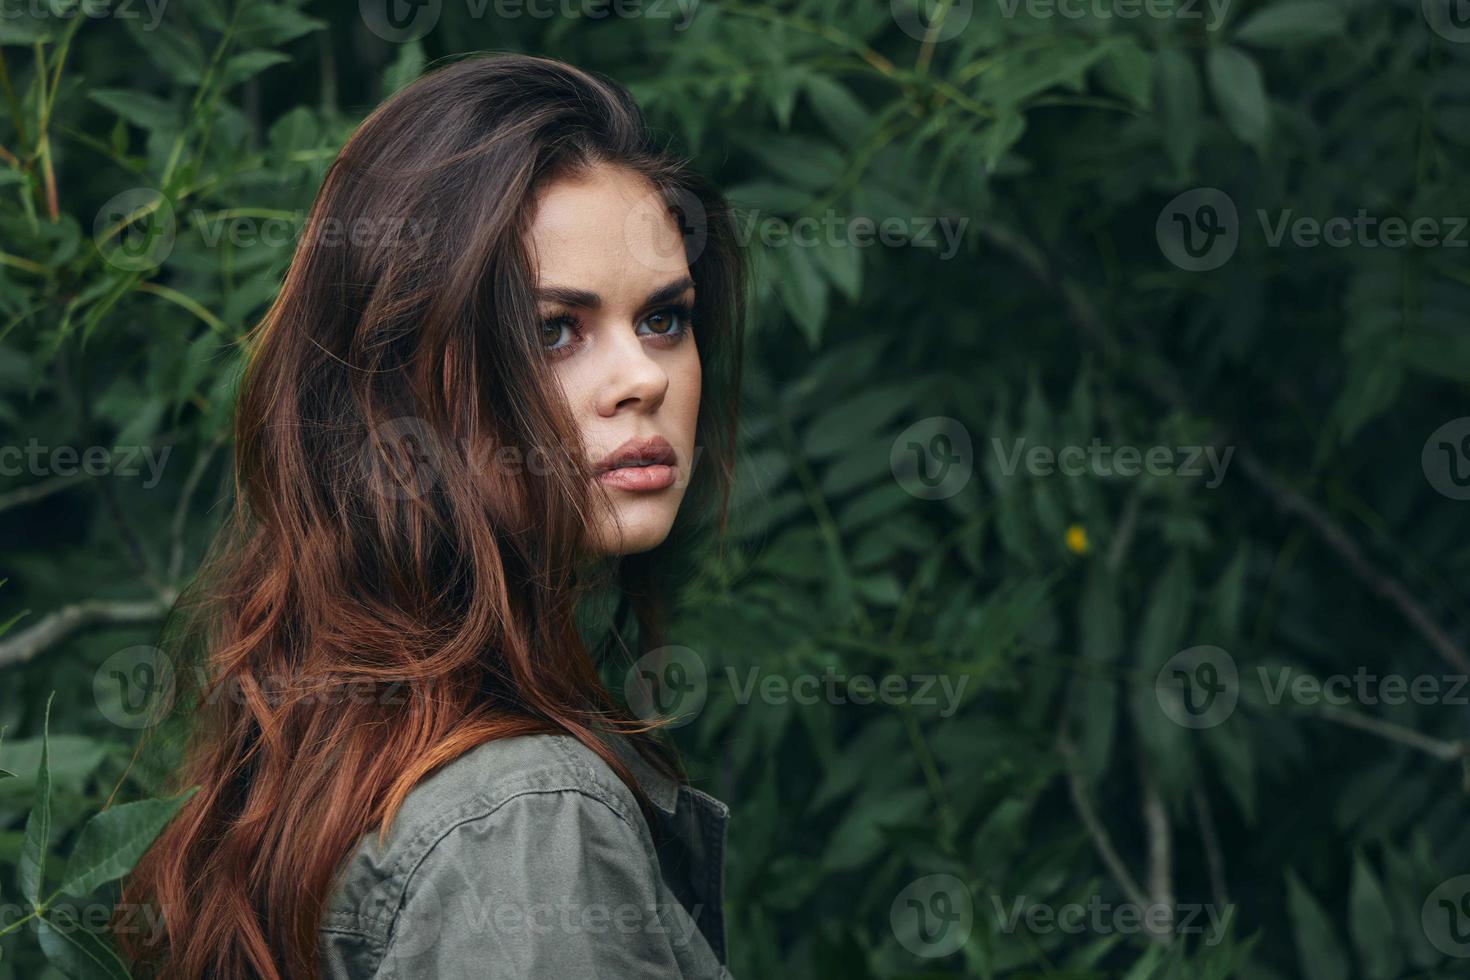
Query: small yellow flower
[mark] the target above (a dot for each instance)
(1077, 539)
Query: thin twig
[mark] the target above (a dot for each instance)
(186, 500)
(133, 545)
(1160, 854)
(57, 626)
(1332, 534)
(1438, 748)
(1101, 840)
(39, 490)
(1127, 527)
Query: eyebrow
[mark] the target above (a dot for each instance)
(587, 300)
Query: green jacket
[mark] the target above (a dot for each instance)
(528, 858)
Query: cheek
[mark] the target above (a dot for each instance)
(689, 381)
(578, 387)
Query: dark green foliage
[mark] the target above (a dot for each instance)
(1072, 304)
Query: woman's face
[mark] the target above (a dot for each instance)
(615, 293)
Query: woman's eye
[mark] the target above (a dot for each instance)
(666, 322)
(557, 332)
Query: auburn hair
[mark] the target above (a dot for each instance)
(389, 591)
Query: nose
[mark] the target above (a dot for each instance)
(632, 380)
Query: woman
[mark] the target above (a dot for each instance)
(476, 406)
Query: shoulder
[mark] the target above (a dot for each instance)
(494, 805)
(493, 772)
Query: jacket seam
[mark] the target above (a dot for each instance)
(412, 861)
(582, 779)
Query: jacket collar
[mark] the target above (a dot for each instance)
(662, 790)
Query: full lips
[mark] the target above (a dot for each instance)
(657, 476)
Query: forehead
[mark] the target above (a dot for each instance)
(608, 231)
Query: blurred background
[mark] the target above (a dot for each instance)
(1096, 601)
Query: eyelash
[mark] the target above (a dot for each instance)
(681, 311)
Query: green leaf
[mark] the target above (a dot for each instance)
(76, 951)
(245, 66)
(844, 117)
(1289, 24)
(858, 838)
(1128, 71)
(1240, 92)
(807, 163)
(1100, 632)
(882, 589)
(855, 421)
(802, 291)
(408, 66)
(113, 841)
(1000, 136)
(781, 85)
(1178, 87)
(118, 138)
(1167, 614)
(22, 32)
(1147, 965)
(1162, 635)
(1229, 593)
(1372, 384)
(6, 625)
(752, 200)
(1372, 924)
(1234, 759)
(171, 49)
(842, 263)
(139, 108)
(1319, 950)
(32, 870)
(72, 759)
(211, 13)
(266, 25)
(1022, 73)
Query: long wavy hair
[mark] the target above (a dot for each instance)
(403, 571)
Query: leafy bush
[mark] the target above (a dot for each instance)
(1108, 227)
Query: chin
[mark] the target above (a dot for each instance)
(640, 526)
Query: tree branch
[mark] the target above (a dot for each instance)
(186, 500)
(1101, 840)
(1166, 388)
(57, 626)
(1331, 533)
(39, 490)
(1160, 854)
(1438, 748)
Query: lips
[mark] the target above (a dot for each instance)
(640, 465)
